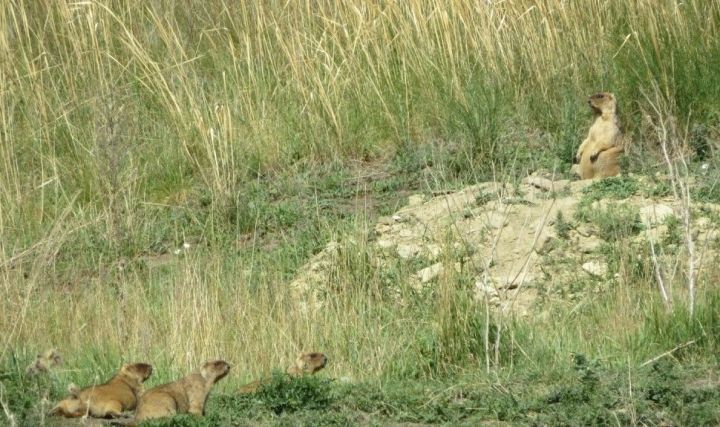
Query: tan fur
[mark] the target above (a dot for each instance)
(187, 395)
(107, 400)
(305, 363)
(44, 362)
(598, 154)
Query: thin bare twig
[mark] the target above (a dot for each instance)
(667, 353)
(679, 178)
(3, 402)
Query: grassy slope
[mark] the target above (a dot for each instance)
(258, 133)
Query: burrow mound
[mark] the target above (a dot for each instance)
(533, 240)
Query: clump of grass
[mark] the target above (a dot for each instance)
(614, 221)
(616, 187)
(617, 222)
(562, 226)
(284, 393)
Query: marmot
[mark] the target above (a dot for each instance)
(44, 362)
(305, 363)
(598, 154)
(187, 395)
(107, 400)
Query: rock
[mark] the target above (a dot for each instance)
(416, 199)
(589, 244)
(429, 273)
(496, 220)
(595, 268)
(482, 290)
(546, 244)
(503, 283)
(385, 220)
(703, 223)
(314, 271)
(433, 251)
(583, 231)
(408, 250)
(578, 186)
(541, 183)
(653, 215)
(655, 235)
(385, 243)
(707, 236)
(407, 233)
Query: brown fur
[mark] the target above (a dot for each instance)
(44, 362)
(598, 154)
(305, 363)
(187, 395)
(107, 400)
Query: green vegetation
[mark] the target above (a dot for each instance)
(167, 167)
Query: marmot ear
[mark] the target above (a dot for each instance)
(146, 370)
(73, 390)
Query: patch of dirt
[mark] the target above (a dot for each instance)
(511, 239)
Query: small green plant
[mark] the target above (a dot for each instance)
(657, 187)
(584, 389)
(483, 198)
(663, 386)
(287, 394)
(24, 396)
(708, 190)
(674, 232)
(562, 227)
(517, 201)
(614, 221)
(617, 187)
(617, 222)
(182, 420)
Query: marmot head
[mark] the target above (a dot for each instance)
(138, 372)
(44, 362)
(215, 370)
(602, 103)
(308, 363)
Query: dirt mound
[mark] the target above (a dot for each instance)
(521, 241)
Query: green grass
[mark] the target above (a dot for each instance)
(258, 133)
(579, 390)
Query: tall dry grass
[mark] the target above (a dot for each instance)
(117, 115)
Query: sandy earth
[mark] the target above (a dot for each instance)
(511, 241)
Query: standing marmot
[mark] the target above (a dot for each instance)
(186, 395)
(598, 154)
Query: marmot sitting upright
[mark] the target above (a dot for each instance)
(598, 154)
